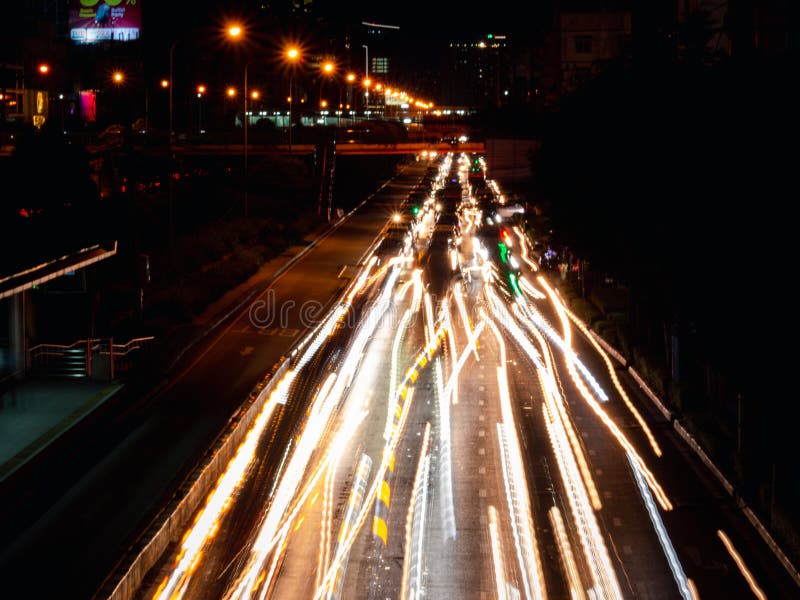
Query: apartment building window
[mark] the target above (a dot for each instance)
(583, 44)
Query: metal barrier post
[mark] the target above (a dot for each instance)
(111, 357)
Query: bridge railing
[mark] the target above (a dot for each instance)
(93, 358)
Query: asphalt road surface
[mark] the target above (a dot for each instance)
(68, 550)
(450, 430)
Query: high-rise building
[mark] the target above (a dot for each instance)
(478, 73)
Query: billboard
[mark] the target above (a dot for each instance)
(92, 21)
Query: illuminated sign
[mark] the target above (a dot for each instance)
(92, 21)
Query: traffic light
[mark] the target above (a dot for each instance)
(415, 210)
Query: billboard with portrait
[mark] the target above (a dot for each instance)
(93, 21)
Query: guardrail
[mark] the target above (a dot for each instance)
(170, 524)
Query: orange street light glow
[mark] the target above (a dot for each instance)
(231, 92)
(234, 31)
(351, 77)
(201, 89)
(118, 77)
(367, 82)
(324, 104)
(44, 69)
(292, 53)
(165, 83)
(255, 94)
(328, 67)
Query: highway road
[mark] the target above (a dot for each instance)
(449, 429)
(88, 527)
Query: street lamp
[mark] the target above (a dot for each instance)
(171, 85)
(351, 77)
(366, 83)
(292, 55)
(201, 90)
(328, 68)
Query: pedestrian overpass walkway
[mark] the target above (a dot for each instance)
(35, 413)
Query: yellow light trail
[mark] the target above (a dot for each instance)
(572, 436)
(523, 242)
(316, 423)
(576, 590)
(737, 558)
(219, 499)
(462, 311)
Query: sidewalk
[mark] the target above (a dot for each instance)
(35, 413)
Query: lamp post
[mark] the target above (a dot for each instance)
(366, 83)
(245, 123)
(366, 77)
(171, 85)
(351, 77)
(235, 32)
(201, 91)
(292, 55)
(328, 69)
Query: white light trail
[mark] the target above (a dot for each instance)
(663, 537)
(498, 560)
(576, 590)
(354, 504)
(519, 506)
(422, 359)
(415, 525)
(594, 548)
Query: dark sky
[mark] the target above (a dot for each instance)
(448, 21)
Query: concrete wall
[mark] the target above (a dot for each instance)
(508, 160)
